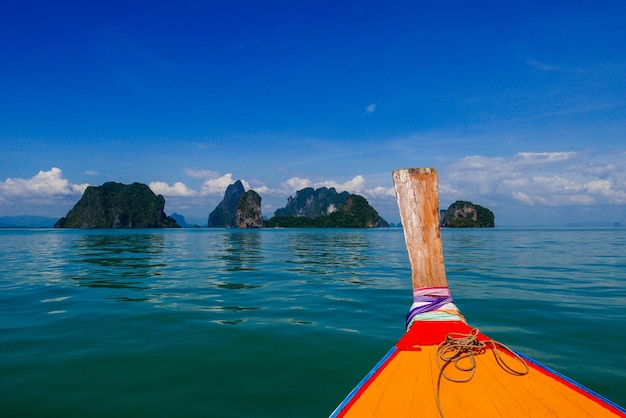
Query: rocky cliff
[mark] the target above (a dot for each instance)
(180, 219)
(238, 209)
(357, 213)
(117, 205)
(249, 210)
(312, 203)
(462, 214)
(325, 208)
(225, 214)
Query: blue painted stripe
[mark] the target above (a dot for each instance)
(572, 382)
(354, 391)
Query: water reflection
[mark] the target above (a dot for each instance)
(323, 253)
(225, 276)
(118, 260)
(240, 250)
(464, 248)
(209, 271)
(237, 286)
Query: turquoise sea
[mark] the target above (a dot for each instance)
(280, 322)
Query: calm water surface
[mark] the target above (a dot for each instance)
(280, 323)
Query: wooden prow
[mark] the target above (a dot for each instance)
(417, 191)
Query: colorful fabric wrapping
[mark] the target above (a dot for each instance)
(432, 304)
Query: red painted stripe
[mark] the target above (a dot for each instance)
(424, 333)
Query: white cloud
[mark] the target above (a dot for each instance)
(178, 189)
(524, 198)
(546, 178)
(356, 185)
(294, 184)
(380, 192)
(201, 174)
(47, 194)
(46, 183)
(542, 65)
(371, 108)
(538, 179)
(261, 189)
(377, 196)
(219, 185)
(214, 184)
(531, 158)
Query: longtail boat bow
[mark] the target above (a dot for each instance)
(444, 367)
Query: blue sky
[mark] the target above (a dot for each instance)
(520, 106)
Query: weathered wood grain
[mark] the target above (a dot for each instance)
(417, 191)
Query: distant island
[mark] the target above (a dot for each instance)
(354, 212)
(26, 221)
(310, 208)
(325, 208)
(238, 209)
(463, 214)
(117, 205)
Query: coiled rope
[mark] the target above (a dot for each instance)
(458, 347)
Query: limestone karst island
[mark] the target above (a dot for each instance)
(311, 208)
(116, 205)
(462, 214)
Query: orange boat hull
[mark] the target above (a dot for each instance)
(404, 384)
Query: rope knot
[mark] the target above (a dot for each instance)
(459, 349)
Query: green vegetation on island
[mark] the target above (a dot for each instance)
(310, 208)
(463, 214)
(117, 205)
(312, 203)
(355, 212)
